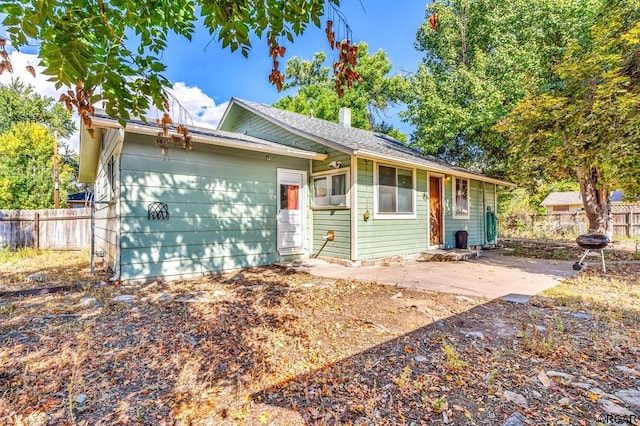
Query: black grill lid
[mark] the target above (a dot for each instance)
(593, 241)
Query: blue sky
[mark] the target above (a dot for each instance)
(206, 77)
(221, 75)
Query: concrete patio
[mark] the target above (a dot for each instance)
(491, 275)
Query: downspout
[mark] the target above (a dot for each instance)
(118, 153)
(93, 234)
(495, 207)
(353, 193)
(484, 216)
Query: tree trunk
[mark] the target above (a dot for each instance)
(595, 199)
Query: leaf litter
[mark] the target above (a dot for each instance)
(276, 346)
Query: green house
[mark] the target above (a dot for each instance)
(271, 185)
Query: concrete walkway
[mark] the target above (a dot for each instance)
(492, 275)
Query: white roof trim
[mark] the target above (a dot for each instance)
(266, 147)
(434, 168)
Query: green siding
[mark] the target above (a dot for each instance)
(481, 196)
(222, 205)
(332, 155)
(321, 220)
(378, 238)
(253, 125)
(338, 221)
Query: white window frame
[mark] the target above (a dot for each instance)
(329, 174)
(456, 214)
(107, 180)
(397, 215)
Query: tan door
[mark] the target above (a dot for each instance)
(435, 210)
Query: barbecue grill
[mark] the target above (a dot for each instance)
(591, 243)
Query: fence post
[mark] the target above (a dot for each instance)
(36, 231)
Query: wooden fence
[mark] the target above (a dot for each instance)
(61, 229)
(626, 221)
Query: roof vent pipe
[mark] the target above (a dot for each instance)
(345, 117)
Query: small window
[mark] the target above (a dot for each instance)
(330, 190)
(395, 191)
(289, 199)
(461, 198)
(111, 176)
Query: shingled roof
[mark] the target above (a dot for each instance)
(352, 140)
(562, 198)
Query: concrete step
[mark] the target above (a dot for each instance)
(447, 255)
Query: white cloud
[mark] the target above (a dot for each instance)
(201, 107)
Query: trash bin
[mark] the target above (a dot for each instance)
(461, 239)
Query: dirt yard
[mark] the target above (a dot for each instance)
(275, 346)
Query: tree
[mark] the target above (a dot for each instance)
(480, 59)
(26, 168)
(587, 126)
(112, 51)
(20, 104)
(368, 99)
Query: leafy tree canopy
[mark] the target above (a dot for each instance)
(20, 104)
(480, 57)
(587, 125)
(26, 168)
(367, 99)
(113, 50)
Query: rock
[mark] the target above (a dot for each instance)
(564, 401)
(219, 293)
(37, 278)
(236, 279)
(613, 408)
(536, 394)
(473, 334)
(544, 379)
(88, 301)
(440, 323)
(561, 375)
(520, 299)
(465, 299)
(627, 370)
(516, 419)
(82, 398)
(592, 382)
(582, 315)
(540, 328)
(581, 385)
(222, 367)
(420, 358)
(164, 297)
(396, 296)
(516, 398)
(630, 396)
(124, 298)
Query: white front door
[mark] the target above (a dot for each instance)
(292, 210)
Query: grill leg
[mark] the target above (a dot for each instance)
(604, 267)
(586, 252)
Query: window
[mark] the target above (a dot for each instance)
(461, 198)
(106, 182)
(395, 193)
(289, 199)
(330, 189)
